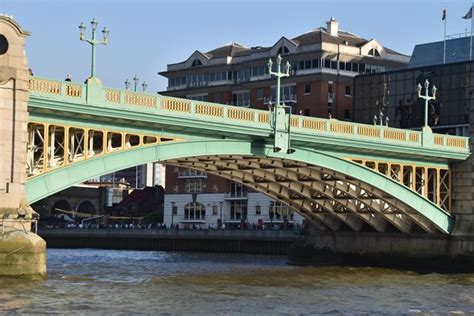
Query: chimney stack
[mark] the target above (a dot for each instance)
(332, 27)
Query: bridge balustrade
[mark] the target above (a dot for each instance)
(237, 115)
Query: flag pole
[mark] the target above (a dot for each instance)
(472, 22)
(444, 38)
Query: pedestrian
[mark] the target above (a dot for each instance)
(68, 77)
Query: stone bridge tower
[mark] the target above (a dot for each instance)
(14, 78)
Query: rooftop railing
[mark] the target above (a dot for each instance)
(238, 115)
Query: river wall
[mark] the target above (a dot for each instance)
(225, 241)
(404, 251)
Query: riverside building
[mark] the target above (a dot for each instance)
(394, 93)
(323, 62)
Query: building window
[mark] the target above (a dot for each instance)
(333, 64)
(307, 88)
(201, 97)
(196, 63)
(287, 93)
(260, 94)
(374, 52)
(238, 210)
(347, 114)
(307, 112)
(327, 63)
(355, 67)
(214, 210)
(193, 185)
(330, 90)
(342, 65)
(194, 210)
(238, 189)
(283, 50)
(191, 173)
(241, 99)
(258, 210)
(348, 91)
(258, 71)
(279, 212)
(174, 209)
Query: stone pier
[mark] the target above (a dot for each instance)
(21, 251)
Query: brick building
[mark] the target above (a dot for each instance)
(323, 62)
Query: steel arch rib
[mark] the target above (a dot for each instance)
(275, 192)
(325, 220)
(58, 179)
(243, 176)
(302, 189)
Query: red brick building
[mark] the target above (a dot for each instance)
(323, 64)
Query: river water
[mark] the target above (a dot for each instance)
(88, 281)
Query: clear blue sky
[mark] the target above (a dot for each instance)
(147, 35)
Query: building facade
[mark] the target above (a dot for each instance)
(197, 199)
(394, 93)
(323, 63)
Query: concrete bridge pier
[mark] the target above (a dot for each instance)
(21, 251)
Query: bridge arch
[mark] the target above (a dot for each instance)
(60, 204)
(324, 188)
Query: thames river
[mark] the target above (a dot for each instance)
(87, 281)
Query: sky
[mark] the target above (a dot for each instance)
(147, 35)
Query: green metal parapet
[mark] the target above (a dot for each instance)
(77, 97)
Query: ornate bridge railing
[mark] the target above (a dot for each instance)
(243, 116)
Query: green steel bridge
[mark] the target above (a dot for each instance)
(340, 176)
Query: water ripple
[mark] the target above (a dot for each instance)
(102, 282)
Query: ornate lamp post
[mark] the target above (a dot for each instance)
(280, 120)
(135, 81)
(93, 41)
(144, 86)
(127, 84)
(278, 74)
(426, 97)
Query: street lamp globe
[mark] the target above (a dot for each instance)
(94, 24)
(105, 33)
(270, 65)
(82, 29)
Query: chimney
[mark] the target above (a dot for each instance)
(332, 27)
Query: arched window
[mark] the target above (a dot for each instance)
(283, 50)
(194, 210)
(196, 63)
(86, 207)
(374, 52)
(61, 205)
